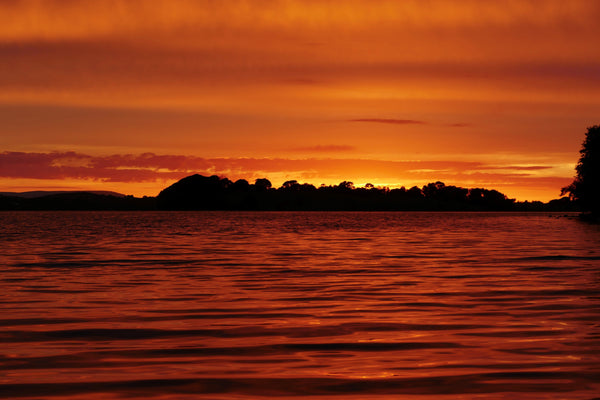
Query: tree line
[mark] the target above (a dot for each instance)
(198, 192)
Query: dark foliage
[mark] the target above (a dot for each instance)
(585, 189)
(198, 192)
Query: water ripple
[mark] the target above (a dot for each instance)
(216, 305)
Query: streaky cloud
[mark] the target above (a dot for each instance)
(459, 125)
(328, 148)
(148, 167)
(390, 121)
(518, 167)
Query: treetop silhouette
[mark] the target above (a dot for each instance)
(585, 188)
(198, 192)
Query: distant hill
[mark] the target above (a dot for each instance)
(42, 193)
(77, 201)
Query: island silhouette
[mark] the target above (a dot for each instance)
(198, 192)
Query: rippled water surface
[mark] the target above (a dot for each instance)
(251, 305)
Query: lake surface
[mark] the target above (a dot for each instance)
(260, 305)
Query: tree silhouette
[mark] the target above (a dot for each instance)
(241, 185)
(199, 192)
(262, 184)
(346, 186)
(585, 188)
(290, 185)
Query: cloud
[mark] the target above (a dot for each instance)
(152, 167)
(408, 122)
(389, 121)
(459, 125)
(56, 19)
(519, 167)
(69, 165)
(328, 148)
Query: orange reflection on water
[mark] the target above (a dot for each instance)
(253, 305)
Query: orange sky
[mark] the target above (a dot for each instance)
(132, 95)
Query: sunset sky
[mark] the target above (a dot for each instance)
(133, 95)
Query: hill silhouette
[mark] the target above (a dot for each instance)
(198, 192)
(41, 193)
(77, 201)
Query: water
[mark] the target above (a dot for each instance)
(224, 305)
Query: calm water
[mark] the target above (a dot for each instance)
(298, 305)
